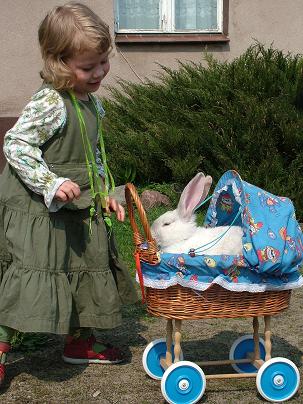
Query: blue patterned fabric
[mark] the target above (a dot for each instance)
(272, 244)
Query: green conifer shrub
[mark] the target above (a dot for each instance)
(210, 116)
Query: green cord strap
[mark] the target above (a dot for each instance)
(203, 202)
(96, 188)
(108, 178)
(200, 250)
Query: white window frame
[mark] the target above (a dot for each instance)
(166, 22)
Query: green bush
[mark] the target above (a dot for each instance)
(244, 115)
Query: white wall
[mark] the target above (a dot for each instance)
(269, 21)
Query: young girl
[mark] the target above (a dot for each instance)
(59, 270)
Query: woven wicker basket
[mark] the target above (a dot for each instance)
(177, 302)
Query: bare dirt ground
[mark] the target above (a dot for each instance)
(42, 377)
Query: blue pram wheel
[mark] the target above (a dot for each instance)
(240, 350)
(278, 380)
(152, 355)
(183, 382)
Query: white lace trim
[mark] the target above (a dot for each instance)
(235, 287)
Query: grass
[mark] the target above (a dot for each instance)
(29, 342)
(41, 377)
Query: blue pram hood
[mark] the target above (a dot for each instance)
(272, 240)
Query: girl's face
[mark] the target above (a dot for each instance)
(89, 68)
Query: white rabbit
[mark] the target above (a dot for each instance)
(176, 231)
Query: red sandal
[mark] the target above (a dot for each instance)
(4, 348)
(2, 373)
(82, 351)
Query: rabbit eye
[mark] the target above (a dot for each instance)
(166, 224)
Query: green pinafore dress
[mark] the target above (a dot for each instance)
(54, 273)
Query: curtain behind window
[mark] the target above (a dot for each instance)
(139, 14)
(195, 14)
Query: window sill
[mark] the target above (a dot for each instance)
(169, 38)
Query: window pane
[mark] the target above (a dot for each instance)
(139, 14)
(195, 14)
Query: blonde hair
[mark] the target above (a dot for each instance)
(65, 31)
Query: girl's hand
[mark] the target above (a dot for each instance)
(68, 191)
(114, 206)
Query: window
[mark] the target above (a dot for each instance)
(170, 16)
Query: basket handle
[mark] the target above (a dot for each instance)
(132, 197)
(149, 254)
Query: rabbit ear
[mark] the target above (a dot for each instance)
(193, 194)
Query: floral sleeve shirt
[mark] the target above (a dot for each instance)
(42, 117)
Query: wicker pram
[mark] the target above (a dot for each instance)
(182, 303)
(183, 381)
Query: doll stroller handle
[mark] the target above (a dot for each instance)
(145, 244)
